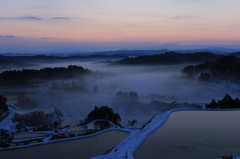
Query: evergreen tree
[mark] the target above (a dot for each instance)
(5, 137)
(204, 77)
(95, 89)
(3, 104)
(104, 112)
(56, 124)
(225, 103)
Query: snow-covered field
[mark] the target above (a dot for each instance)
(127, 147)
(162, 81)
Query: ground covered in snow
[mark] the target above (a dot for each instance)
(125, 149)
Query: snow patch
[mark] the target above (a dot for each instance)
(128, 146)
(7, 122)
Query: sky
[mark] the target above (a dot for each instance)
(34, 26)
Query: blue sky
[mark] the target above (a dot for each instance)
(33, 26)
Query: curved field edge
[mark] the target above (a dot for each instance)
(45, 140)
(128, 146)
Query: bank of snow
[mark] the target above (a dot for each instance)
(128, 146)
(48, 134)
(7, 123)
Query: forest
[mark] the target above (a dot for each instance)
(169, 58)
(137, 88)
(226, 66)
(24, 76)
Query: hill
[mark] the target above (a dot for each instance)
(5, 63)
(169, 58)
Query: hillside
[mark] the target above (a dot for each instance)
(4, 63)
(169, 58)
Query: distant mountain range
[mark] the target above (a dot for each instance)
(236, 54)
(9, 60)
(215, 50)
(221, 51)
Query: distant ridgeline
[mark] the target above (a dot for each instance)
(36, 59)
(10, 63)
(222, 67)
(169, 58)
(22, 77)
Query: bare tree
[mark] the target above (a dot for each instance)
(132, 122)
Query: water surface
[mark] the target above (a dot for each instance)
(74, 149)
(194, 134)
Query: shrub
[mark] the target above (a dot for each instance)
(3, 105)
(225, 103)
(204, 77)
(58, 136)
(104, 112)
(71, 135)
(5, 137)
(132, 122)
(227, 157)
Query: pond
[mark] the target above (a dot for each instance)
(75, 149)
(194, 134)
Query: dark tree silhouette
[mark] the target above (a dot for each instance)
(95, 89)
(190, 75)
(104, 112)
(206, 66)
(132, 122)
(169, 58)
(227, 157)
(25, 102)
(56, 124)
(3, 104)
(74, 84)
(227, 65)
(23, 77)
(204, 77)
(5, 137)
(129, 96)
(225, 103)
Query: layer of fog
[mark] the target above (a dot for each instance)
(162, 83)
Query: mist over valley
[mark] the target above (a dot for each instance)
(134, 91)
(47, 99)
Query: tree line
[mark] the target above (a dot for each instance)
(224, 66)
(227, 102)
(169, 58)
(22, 77)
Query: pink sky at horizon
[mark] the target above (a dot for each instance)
(32, 23)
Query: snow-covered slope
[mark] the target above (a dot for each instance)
(7, 122)
(128, 146)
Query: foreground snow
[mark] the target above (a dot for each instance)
(48, 134)
(7, 123)
(128, 146)
(125, 149)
